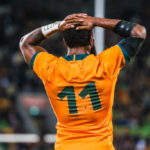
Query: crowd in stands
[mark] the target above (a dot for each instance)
(132, 97)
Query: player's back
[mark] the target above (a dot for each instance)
(81, 91)
(81, 95)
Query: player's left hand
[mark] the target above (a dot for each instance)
(68, 23)
(86, 22)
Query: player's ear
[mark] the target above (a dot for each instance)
(92, 43)
(92, 39)
(64, 42)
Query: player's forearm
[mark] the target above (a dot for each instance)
(35, 37)
(123, 28)
(105, 23)
(30, 43)
(134, 33)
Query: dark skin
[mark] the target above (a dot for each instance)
(30, 43)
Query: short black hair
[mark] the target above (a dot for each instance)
(77, 38)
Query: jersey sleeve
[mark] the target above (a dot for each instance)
(113, 59)
(41, 62)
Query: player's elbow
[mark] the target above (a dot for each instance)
(23, 42)
(140, 32)
(144, 33)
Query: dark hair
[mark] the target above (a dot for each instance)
(77, 38)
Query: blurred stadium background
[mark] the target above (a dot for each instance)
(26, 120)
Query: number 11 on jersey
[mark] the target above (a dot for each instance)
(89, 89)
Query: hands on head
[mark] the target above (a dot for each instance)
(86, 22)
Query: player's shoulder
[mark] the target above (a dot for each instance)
(112, 52)
(42, 57)
(111, 49)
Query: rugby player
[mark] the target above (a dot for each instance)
(80, 86)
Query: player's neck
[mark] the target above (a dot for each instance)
(78, 50)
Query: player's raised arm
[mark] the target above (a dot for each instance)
(30, 43)
(134, 34)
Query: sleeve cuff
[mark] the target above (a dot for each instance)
(33, 58)
(126, 56)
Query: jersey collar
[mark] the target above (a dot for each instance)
(75, 57)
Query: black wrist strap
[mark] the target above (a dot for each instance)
(124, 28)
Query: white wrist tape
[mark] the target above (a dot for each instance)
(51, 28)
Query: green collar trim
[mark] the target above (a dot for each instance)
(77, 57)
